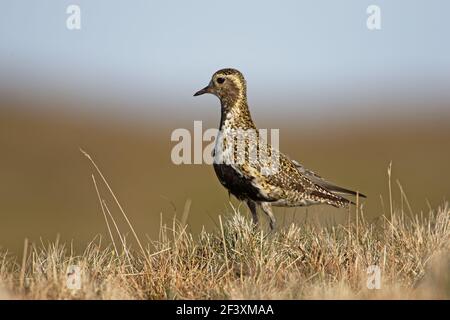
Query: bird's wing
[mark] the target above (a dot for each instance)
(315, 178)
(289, 185)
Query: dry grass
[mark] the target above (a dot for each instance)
(299, 261)
(237, 262)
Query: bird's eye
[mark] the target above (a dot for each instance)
(220, 80)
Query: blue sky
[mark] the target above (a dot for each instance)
(292, 52)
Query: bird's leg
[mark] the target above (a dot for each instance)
(252, 205)
(267, 208)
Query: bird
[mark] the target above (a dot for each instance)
(285, 182)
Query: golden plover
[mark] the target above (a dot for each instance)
(287, 183)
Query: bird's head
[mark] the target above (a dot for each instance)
(227, 84)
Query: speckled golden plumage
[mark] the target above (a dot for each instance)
(290, 185)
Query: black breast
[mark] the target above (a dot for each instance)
(238, 185)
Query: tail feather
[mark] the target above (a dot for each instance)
(334, 188)
(331, 198)
(318, 180)
(342, 191)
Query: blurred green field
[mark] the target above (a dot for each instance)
(46, 187)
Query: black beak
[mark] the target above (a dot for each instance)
(203, 91)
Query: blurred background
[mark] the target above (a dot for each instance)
(347, 100)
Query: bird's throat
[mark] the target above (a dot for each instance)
(236, 116)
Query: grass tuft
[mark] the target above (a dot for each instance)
(237, 261)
